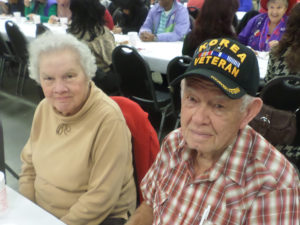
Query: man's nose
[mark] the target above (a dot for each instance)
(201, 114)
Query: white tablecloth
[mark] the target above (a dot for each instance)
(157, 54)
(28, 28)
(22, 211)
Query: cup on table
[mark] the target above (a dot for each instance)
(133, 38)
(3, 198)
(36, 19)
(17, 15)
(63, 20)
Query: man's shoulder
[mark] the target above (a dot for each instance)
(265, 159)
(173, 141)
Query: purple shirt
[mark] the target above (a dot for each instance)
(256, 31)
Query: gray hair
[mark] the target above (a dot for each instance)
(50, 42)
(246, 99)
(286, 2)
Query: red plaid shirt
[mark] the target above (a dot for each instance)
(252, 183)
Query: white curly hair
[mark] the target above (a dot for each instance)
(50, 42)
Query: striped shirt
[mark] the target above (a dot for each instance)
(163, 21)
(251, 183)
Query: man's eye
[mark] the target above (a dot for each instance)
(219, 106)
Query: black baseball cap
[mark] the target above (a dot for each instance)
(229, 64)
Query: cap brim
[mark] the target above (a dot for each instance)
(230, 88)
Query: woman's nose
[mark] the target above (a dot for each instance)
(60, 86)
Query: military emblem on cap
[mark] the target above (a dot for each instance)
(229, 64)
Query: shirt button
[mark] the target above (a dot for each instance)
(180, 215)
(191, 185)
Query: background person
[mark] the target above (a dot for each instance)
(245, 5)
(44, 8)
(79, 146)
(92, 30)
(214, 20)
(215, 162)
(167, 20)
(132, 17)
(265, 30)
(285, 57)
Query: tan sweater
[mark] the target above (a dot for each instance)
(79, 168)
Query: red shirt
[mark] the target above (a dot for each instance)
(108, 20)
(251, 183)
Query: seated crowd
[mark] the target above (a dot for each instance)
(79, 161)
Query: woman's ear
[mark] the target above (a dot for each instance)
(251, 111)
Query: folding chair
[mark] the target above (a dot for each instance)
(137, 84)
(5, 55)
(19, 45)
(176, 67)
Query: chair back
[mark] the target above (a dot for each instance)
(5, 51)
(40, 29)
(145, 144)
(18, 40)
(2, 159)
(176, 67)
(282, 93)
(134, 73)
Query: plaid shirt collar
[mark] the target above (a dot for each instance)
(232, 162)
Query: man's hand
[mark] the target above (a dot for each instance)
(146, 36)
(142, 216)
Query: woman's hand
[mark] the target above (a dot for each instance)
(117, 30)
(273, 43)
(53, 19)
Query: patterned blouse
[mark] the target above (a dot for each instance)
(251, 183)
(278, 67)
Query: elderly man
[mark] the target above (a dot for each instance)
(167, 20)
(216, 169)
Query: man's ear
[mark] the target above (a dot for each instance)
(251, 111)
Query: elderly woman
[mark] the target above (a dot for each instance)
(265, 30)
(77, 163)
(44, 8)
(285, 57)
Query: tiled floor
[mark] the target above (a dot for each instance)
(16, 114)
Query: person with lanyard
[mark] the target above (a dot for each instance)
(264, 31)
(167, 20)
(216, 169)
(44, 8)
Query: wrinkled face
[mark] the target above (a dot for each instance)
(210, 120)
(165, 3)
(63, 81)
(276, 10)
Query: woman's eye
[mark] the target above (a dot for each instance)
(191, 99)
(48, 78)
(70, 76)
